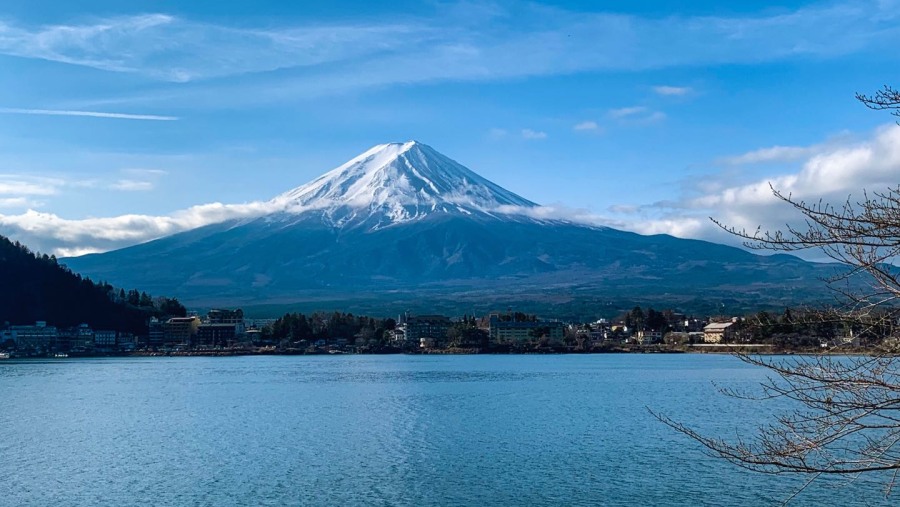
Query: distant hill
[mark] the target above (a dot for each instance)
(403, 226)
(36, 287)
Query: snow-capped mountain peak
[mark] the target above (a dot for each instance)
(398, 182)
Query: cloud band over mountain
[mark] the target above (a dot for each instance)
(830, 170)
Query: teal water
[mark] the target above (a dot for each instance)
(384, 430)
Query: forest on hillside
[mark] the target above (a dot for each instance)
(36, 287)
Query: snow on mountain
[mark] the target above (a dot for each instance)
(399, 182)
(404, 224)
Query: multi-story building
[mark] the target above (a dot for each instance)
(215, 335)
(434, 327)
(37, 337)
(84, 337)
(105, 339)
(156, 333)
(718, 332)
(126, 341)
(648, 337)
(233, 317)
(513, 331)
(181, 330)
(396, 337)
(75, 339)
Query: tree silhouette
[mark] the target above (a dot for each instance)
(846, 419)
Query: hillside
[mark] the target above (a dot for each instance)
(36, 287)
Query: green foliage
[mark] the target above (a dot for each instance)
(297, 327)
(36, 287)
(652, 320)
(465, 333)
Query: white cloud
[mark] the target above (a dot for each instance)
(47, 232)
(771, 154)
(18, 190)
(179, 50)
(587, 126)
(92, 114)
(15, 202)
(533, 134)
(469, 45)
(625, 112)
(144, 172)
(132, 185)
(674, 91)
(23, 187)
(636, 115)
(138, 180)
(829, 171)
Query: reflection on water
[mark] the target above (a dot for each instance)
(382, 430)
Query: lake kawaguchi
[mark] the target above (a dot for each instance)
(384, 430)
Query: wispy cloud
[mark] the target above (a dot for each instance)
(533, 134)
(771, 155)
(175, 49)
(145, 172)
(92, 114)
(528, 40)
(138, 180)
(675, 91)
(132, 185)
(637, 115)
(625, 112)
(18, 191)
(16, 202)
(587, 126)
(24, 185)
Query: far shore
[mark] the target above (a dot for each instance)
(705, 348)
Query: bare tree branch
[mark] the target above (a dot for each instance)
(844, 415)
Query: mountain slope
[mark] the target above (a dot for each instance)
(404, 219)
(397, 183)
(38, 288)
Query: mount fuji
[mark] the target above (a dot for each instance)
(398, 183)
(402, 226)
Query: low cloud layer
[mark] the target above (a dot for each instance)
(47, 232)
(830, 171)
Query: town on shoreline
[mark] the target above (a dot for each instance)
(226, 332)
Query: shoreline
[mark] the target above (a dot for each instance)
(729, 349)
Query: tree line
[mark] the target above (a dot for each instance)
(297, 327)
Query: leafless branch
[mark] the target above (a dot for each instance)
(844, 412)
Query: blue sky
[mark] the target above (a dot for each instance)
(119, 119)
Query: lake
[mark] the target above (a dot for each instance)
(384, 430)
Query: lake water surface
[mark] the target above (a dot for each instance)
(384, 430)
